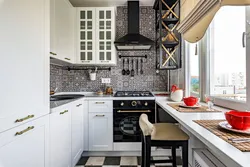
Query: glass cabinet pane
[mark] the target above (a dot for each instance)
(82, 15)
(108, 45)
(101, 55)
(89, 46)
(108, 35)
(101, 14)
(82, 26)
(89, 15)
(89, 24)
(108, 55)
(108, 14)
(82, 35)
(89, 35)
(82, 45)
(101, 25)
(108, 24)
(83, 57)
(101, 47)
(89, 56)
(101, 35)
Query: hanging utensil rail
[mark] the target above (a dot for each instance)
(145, 56)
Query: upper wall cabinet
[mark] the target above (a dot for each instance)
(62, 30)
(24, 68)
(96, 35)
(196, 16)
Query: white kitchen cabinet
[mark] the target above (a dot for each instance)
(26, 145)
(100, 130)
(60, 138)
(24, 68)
(101, 106)
(96, 35)
(77, 131)
(62, 23)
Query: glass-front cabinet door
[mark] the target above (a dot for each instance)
(86, 44)
(105, 34)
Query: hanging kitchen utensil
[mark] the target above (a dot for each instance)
(128, 72)
(141, 66)
(123, 70)
(132, 71)
(137, 66)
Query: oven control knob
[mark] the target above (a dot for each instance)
(146, 103)
(133, 103)
(122, 104)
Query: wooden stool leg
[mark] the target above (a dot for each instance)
(142, 151)
(174, 156)
(147, 151)
(185, 154)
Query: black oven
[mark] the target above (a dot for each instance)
(126, 115)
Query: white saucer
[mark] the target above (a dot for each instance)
(185, 106)
(227, 126)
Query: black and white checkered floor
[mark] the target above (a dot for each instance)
(120, 162)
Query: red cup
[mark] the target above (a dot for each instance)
(238, 119)
(190, 101)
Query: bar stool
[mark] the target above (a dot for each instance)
(160, 135)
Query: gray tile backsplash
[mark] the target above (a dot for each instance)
(73, 81)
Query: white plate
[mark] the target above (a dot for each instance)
(185, 106)
(227, 126)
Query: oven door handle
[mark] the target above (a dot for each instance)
(133, 111)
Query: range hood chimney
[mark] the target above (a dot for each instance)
(133, 40)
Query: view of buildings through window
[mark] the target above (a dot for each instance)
(227, 54)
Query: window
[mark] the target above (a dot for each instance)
(218, 65)
(194, 69)
(227, 55)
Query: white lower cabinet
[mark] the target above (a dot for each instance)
(77, 131)
(26, 145)
(100, 131)
(60, 140)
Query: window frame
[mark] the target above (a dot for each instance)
(204, 72)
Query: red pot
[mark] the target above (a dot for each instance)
(190, 101)
(238, 119)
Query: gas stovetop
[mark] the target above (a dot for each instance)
(133, 94)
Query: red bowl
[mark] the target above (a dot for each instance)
(238, 119)
(190, 101)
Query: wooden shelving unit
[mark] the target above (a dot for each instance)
(168, 40)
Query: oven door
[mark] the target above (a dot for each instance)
(126, 124)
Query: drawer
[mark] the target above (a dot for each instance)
(100, 106)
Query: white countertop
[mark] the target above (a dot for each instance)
(212, 141)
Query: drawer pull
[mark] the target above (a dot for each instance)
(67, 58)
(52, 53)
(99, 102)
(25, 118)
(133, 111)
(78, 105)
(99, 115)
(24, 131)
(65, 111)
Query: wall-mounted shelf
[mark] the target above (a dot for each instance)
(168, 40)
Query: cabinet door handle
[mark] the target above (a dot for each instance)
(65, 111)
(24, 131)
(52, 53)
(67, 58)
(100, 115)
(78, 105)
(25, 118)
(244, 39)
(85, 61)
(99, 102)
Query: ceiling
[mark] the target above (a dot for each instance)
(107, 3)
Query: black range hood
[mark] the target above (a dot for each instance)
(133, 40)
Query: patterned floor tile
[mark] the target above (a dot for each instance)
(129, 161)
(95, 161)
(112, 161)
(82, 161)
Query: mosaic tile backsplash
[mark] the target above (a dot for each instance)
(74, 81)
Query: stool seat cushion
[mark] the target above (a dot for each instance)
(168, 131)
